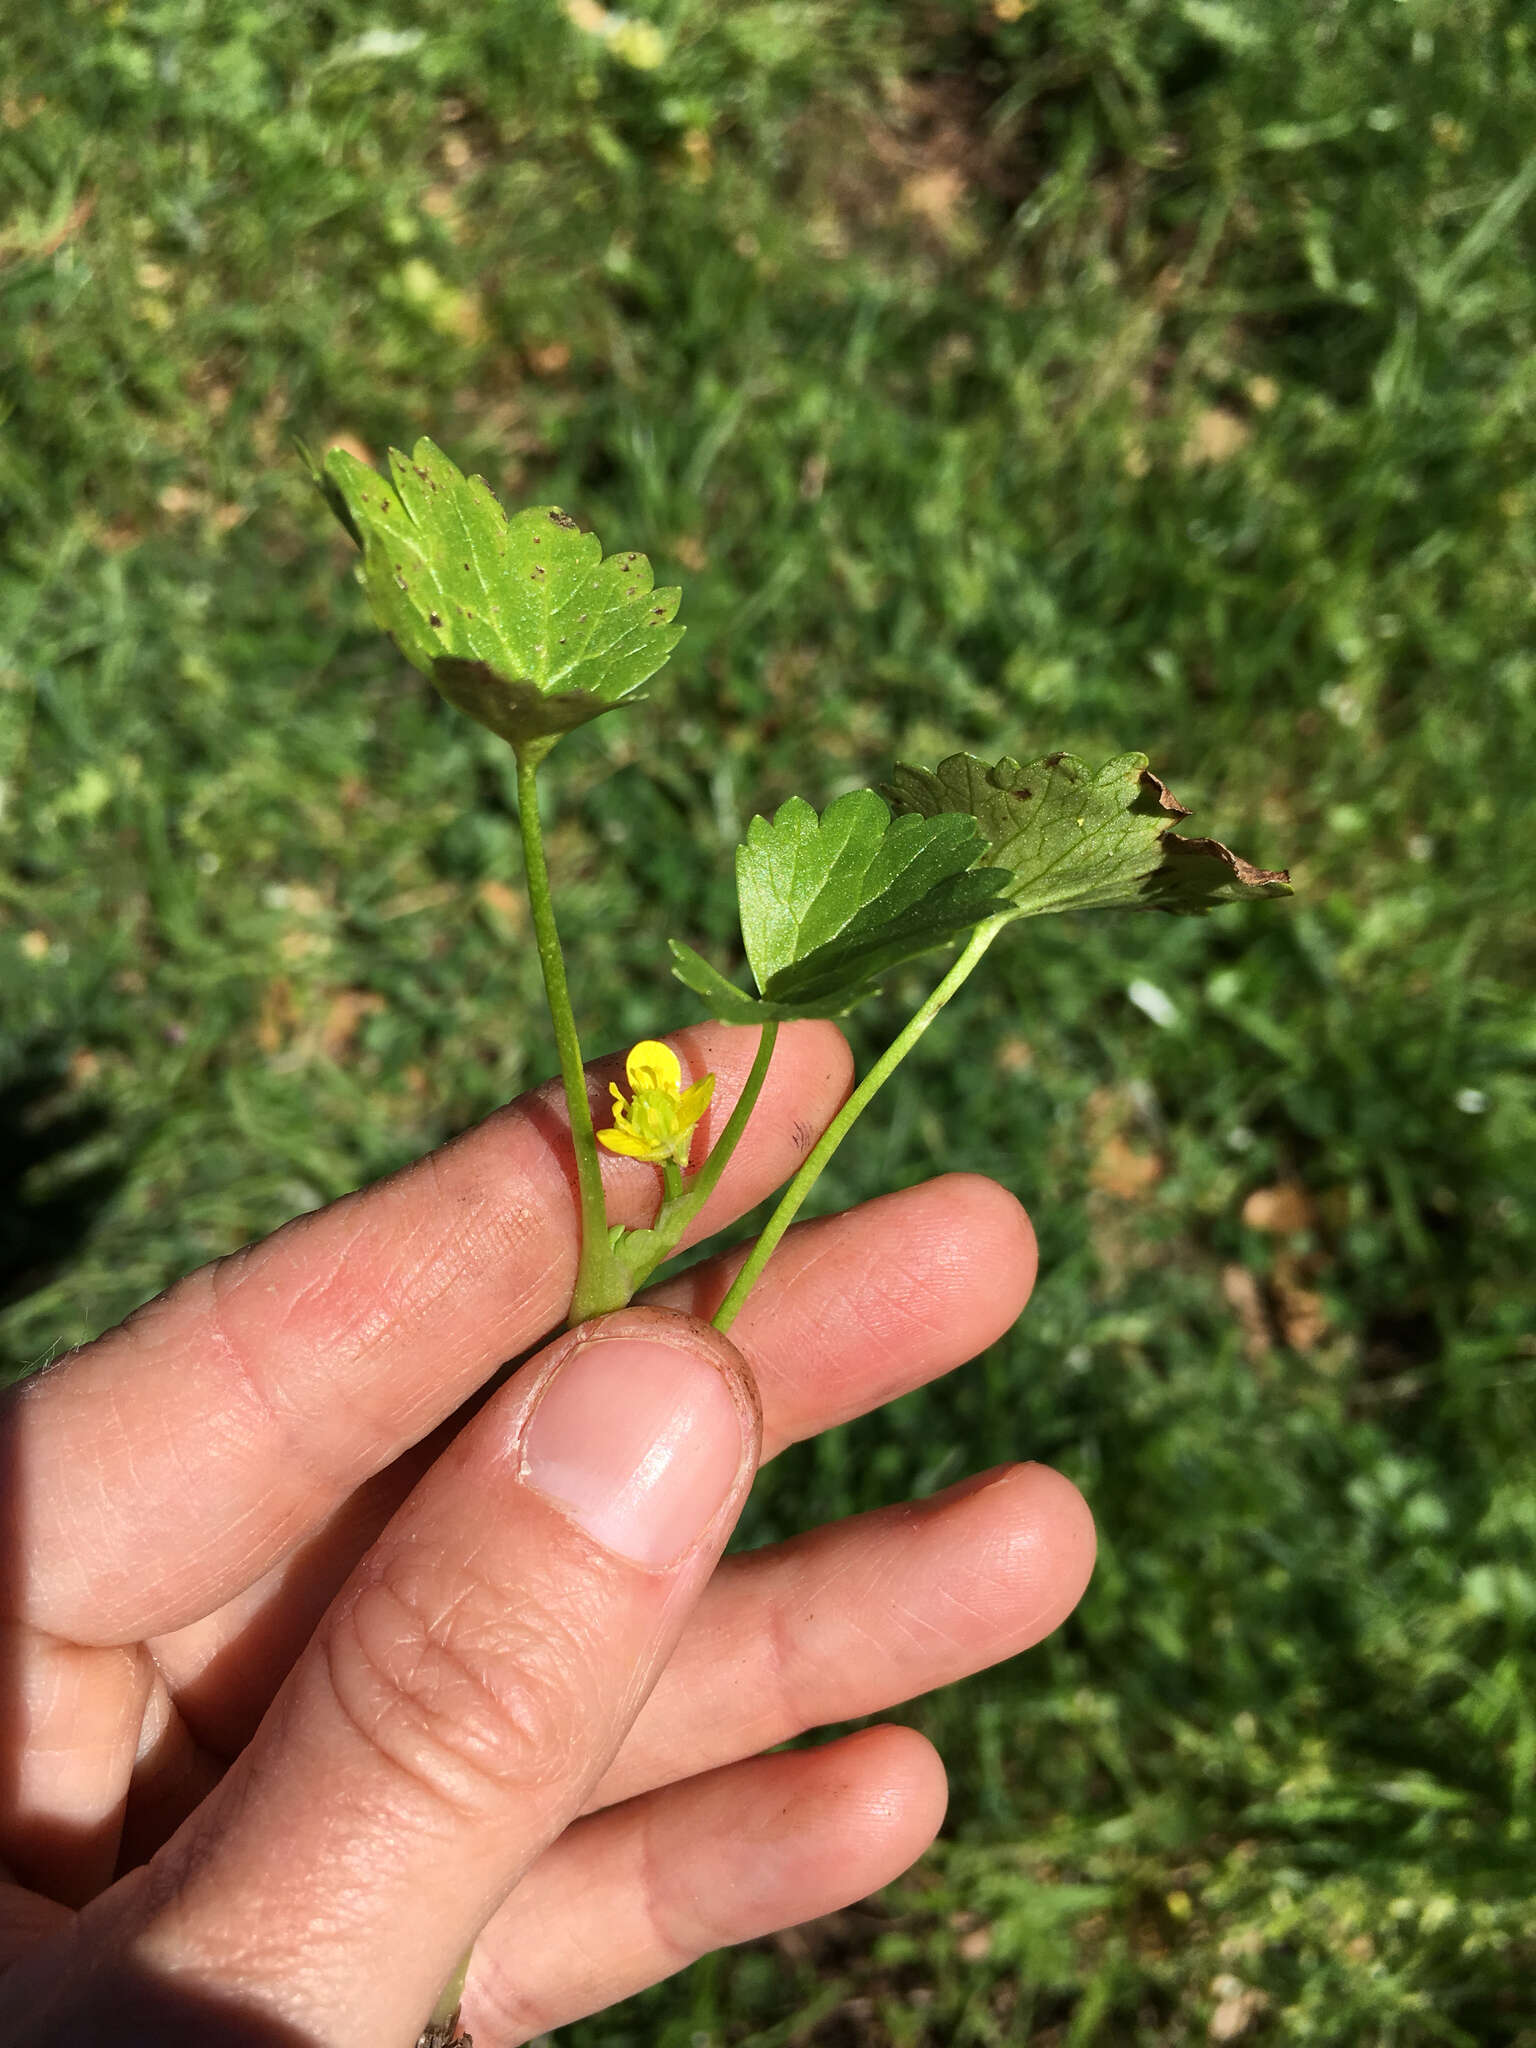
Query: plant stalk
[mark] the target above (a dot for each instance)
(599, 1284)
(442, 2029)
(795, 1194)
(702, 1185)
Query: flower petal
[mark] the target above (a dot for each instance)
(631, 1146)
(695, 1100)
(654, 1065)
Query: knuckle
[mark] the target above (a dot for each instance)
(463, 1700)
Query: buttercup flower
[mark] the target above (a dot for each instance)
(658, 1122)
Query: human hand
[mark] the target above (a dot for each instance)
(315, 1668)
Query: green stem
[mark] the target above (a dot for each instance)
(443, 2026)
(595, 1282)
(702, 1186)
(795, 1194)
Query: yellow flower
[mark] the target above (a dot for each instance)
(658, 1122)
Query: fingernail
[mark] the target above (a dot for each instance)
(639, 1443)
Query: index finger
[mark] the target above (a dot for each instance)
(159, 1471)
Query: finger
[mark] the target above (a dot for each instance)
(466, 1691)
(852, 1311)
(637, 1893)
(856, 1618)
(172, 1776)
(856, 1309)
(69, 1730)
(27, 1920)
(171, 1463)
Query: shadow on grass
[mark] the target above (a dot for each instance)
(53, 1183)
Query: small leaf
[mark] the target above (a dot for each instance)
(521, 622)
(1074, 838)
(830, 904)
(726, 1001)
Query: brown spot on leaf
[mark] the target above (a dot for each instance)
(559, 518)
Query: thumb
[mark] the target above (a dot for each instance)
(467, 1689)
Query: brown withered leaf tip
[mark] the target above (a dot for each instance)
(1242, 870)
(1166, 800)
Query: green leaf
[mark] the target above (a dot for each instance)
(521, 622)
(1074, 838)
(830, 904)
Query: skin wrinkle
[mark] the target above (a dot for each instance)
(528, 1732)
(416, 1279)
(656, 1878)
(78, 1544)
(776, 1664)
(649, 1871)
(886, 1291)
(220, 1344)
(397, 1712)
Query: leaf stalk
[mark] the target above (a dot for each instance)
(601, 1281)
(794, 1195)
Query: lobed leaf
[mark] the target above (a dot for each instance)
(522, 622)
(1074, 838)
(830, 904)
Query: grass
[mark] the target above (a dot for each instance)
(1073, 375)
